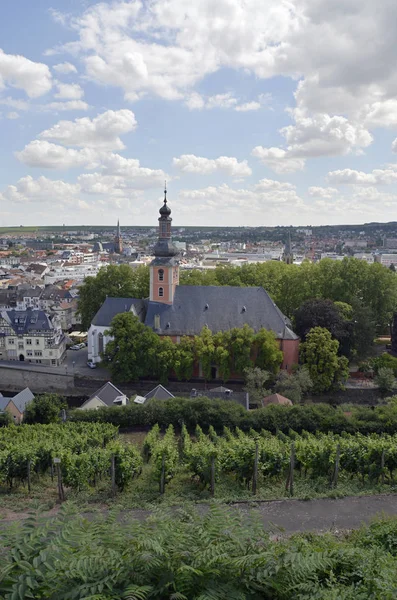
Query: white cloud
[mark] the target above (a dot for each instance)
(42, 189)
(13, 103)
(319, 135)
(394, 146)
(12, 115)
(343, 176)
(385, 176)
(102, 132)
(65, 68)
(248, 106)
(20, 72)
(323, 135)
(320, 192)
(46, 155)
(278, 159)
(196, 101)
(69, 91)
(65, 106)
(189, 163)
(263, 203)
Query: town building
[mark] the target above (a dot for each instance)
(118, 242)
(288, 257)
(108, 395)
(31, 336)
(16, 405)
(175, 310)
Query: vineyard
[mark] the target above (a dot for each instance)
(81, 454)
(85, 456)
(253, 458)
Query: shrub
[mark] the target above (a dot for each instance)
(385, 360)
(385, 379)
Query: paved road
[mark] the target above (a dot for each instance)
(289, 516)
(74, 364)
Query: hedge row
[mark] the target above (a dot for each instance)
(223, 413)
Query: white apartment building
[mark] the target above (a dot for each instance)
(369, 258)
(386, 259)
(76, 272)
(31, 336)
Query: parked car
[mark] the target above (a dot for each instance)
(91, 364)
(77, 346)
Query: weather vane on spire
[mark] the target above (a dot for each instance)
(165, 191)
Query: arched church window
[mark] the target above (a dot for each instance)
(161, 274)
(100, 343)
(161, 292)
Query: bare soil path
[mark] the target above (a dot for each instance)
(287, 516)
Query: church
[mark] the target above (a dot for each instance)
(183, 310)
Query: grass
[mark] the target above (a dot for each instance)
(143, 492)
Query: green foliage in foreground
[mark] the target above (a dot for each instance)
(225, 413)
(183, 556)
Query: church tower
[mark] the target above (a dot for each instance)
(288, 257)
(118, 242)
(164, 268)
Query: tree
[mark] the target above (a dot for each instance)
(240, 341)
(184, 359)
(325, 313)
(131, 352)
(115, 281)
(320, 354)
(295, 385)
(268, 354)
(205, 349)
(255, 384)
(44, 409)
(385, 379)
(363, 328)
(162, 357)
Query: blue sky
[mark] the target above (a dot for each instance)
(279, 112)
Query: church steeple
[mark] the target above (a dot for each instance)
(164, 268)
(288, 256)
(118, 242)
(164, 245)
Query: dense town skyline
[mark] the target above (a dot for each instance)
(282, 114)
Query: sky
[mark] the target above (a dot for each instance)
(255, 112)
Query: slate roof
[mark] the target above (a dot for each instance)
(4, 402)
(159, 393)
(220, 308)
(113, 306)
(22, 399)
(27, 320)
(108, 393)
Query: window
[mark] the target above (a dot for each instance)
(161, 274)
(29, 353)
(53, 362)
(37, 342)
(161, 292)
(28, 342)
(38, 353)
(11, 341)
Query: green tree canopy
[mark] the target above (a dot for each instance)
(375, 286)
(269, 356)
(115, 281)
(131, 353)
(320, 354)
(44, 409)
